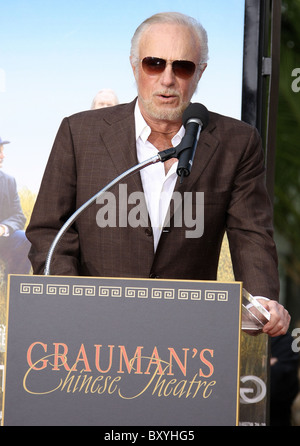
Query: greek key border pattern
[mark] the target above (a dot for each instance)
(130, 292)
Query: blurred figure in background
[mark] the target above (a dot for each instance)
(14, 246)
(104, 98)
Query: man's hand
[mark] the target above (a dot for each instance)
(280, 319)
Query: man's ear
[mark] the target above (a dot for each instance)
(201, 71)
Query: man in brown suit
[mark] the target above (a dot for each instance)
(168, 56)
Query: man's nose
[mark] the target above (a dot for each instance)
(168, 77)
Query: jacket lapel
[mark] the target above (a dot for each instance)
(119, 139)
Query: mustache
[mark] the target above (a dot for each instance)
(166, 92)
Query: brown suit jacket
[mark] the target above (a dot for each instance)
(94, 147)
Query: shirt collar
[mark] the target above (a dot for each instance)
(142, 129)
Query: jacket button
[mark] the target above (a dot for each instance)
(149, 232)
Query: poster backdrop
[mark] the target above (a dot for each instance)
(55, 57)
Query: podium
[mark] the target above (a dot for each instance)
(126, 352)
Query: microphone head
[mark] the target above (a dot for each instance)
(196, 111)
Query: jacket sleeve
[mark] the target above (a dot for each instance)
(250, 225)
(55, 203)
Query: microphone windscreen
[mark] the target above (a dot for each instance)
(198, 111)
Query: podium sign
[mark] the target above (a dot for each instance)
(122, 352)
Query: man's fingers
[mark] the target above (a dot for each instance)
(279, 321)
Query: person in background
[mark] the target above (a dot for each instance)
(14, 246)
(104, 98)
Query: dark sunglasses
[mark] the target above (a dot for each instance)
(181, 68)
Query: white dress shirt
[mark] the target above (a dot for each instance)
(158, 186)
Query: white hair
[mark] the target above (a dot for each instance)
(173, 18)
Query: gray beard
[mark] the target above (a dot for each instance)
(172, 114)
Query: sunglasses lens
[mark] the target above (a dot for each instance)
(153, 65)
(184, 68)
(181, 68)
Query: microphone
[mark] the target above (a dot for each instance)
(195, 118)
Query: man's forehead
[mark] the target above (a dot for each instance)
(167, 37)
